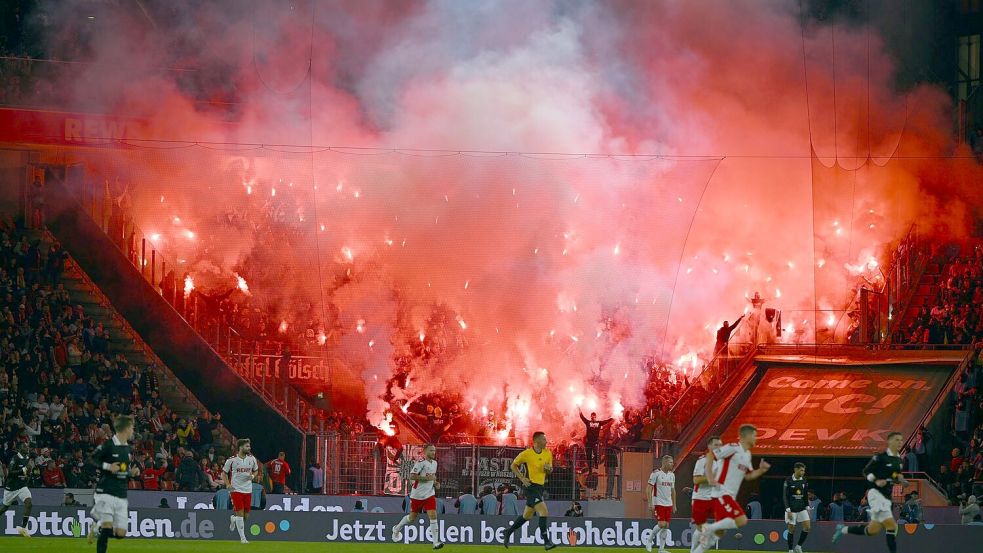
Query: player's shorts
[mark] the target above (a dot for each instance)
(21, 495)
(109, 508)
(796, 517)
(242, 501)
(702, 510)
(880, 506)
(534, 494)
(726, 507)
(663, 513)
(423, 505)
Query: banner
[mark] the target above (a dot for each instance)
(167, 524)
(825, 411)
(144, 499)
(59, 127)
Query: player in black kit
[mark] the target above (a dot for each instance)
(883, 471)
(16, 487)
(797, 507)
(112, 457)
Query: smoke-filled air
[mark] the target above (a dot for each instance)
(522, 207)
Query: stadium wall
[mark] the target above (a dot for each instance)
(166, 524)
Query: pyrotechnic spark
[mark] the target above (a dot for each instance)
(357, 194)
(791, 265)
(322, 338)
(466, 284)
(820, 263)
(155, 237)
(241, 283)
(249, 189)
(460, 321)
(347, 252)
(322, 228)
(423, 336)
(371, 343)
(617, 249)
(162, 199)
(189, 285)
(176, 220)
(830, 320)
(189, 234)
(273, 192)
(778, 292)
(283, 327)
(339, 187)
(360, 326)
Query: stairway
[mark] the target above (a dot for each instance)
(925, 293)
(126, 341)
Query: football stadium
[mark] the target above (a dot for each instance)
(385, 276)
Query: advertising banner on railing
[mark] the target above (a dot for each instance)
(367, 528)
(828, 411)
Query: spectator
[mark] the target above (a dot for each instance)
(575, 510)
(969, 509)
(977, 521)
(317, 477)
(70, 500)
(836, 511)
(489, 502)
(723, 335)
(591, 436)
(163, 504)
(815, 506)
(53, 476)
(911, 510)
(189, 475)
(359, 507)
(754, 507)
(279, 470)
(150, 476)
(467, 503)
(510, 502)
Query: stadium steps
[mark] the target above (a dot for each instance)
(142, 311)
(925, 293)
(124, 340)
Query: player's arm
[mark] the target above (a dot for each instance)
(785, 494)
(225, 474)
(650, 489)
(516, 467)
(700, 479)
(870, 475)
(758, 472)
(583, 418)
(708, 476)
(674, 498)
(100, 458)
(548, 465)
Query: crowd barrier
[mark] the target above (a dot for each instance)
(166, 524)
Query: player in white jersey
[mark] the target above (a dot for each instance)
(702, 491)
(238, 474)
(661, 494)
(731, 466)
(423, 495)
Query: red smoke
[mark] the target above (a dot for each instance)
(554, 274)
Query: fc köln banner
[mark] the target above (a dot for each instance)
(828, 412)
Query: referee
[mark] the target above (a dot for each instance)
(539, 462)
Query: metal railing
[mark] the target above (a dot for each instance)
(360, 465)
(160, 269)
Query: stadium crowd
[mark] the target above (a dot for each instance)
(61, 381)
